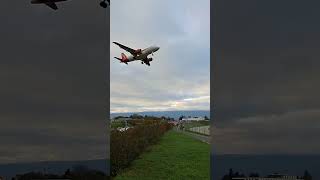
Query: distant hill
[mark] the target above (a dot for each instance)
(265, 164)
(59, 167)
(172, 114)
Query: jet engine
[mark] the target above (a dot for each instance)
(138, 51)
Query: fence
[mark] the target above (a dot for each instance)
(201, 130)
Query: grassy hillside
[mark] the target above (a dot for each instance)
(177, 156)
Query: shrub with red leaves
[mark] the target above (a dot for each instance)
(126, 146)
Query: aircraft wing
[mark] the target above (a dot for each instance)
(130, 50)
(52, 5)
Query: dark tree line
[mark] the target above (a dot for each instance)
(138, 116)
(77, 173)
(232, 174)
(182, 117)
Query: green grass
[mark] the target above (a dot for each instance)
(116, 124)
(177, 156)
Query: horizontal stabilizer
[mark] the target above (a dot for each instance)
(118, 58)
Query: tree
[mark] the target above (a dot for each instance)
(136, 116)
(230, 172)
(206, 118)
(181, 117)
(307, 175)
(67, 174)
(226, 177)
(80, 169)
(254, 175)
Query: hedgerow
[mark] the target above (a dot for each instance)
(126, 146)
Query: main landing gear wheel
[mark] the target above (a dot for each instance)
(104, 4)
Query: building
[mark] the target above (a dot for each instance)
(123, 129)
(270, 177)
(194, 119)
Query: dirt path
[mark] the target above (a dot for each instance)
(202, 138)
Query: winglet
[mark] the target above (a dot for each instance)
(116, 43)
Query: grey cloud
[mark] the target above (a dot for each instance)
(267, 81)
(292, 132)
(266, 77)
(53, 81)
(254, 24)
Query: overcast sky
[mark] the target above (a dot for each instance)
(53, 75)
(179, 75)
(266, 76)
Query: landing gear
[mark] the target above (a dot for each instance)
(104, 4)
(141, 62)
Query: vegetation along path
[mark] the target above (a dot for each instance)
(197, 136)
(177, 156)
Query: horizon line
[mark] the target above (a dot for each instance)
(155, 111)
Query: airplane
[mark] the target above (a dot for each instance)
(50, 3)
(136, 54)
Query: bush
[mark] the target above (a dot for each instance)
(128, 145)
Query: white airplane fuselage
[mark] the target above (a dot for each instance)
(144, 53)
